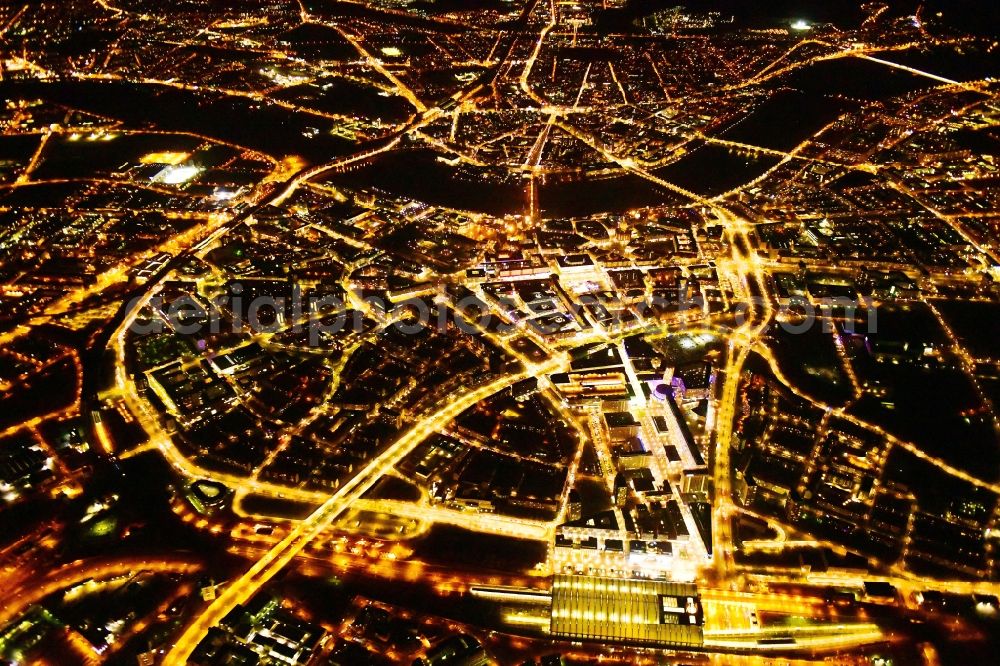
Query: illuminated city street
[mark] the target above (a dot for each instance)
(499, 332)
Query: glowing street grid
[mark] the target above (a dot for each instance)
(507, 331)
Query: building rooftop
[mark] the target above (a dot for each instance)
(626, 610)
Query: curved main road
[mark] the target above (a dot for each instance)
(242, 589)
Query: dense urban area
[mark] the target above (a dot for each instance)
(342, 332)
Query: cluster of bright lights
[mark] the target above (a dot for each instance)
(177, 174)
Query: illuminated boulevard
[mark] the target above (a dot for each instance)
(520, 332)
